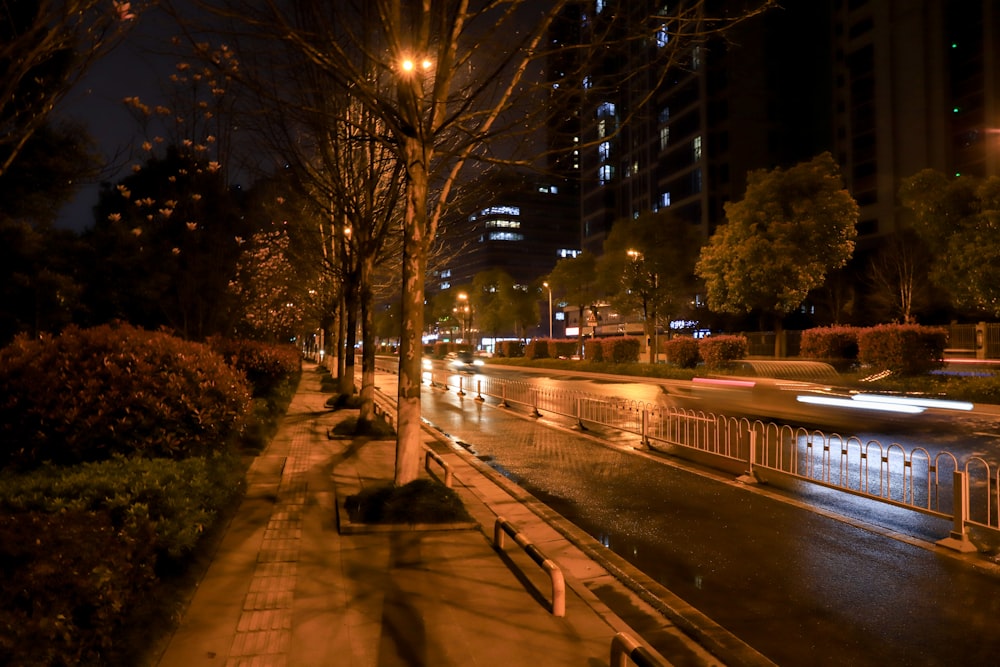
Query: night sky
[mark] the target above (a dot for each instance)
(133, 68)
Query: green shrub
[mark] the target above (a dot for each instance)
(830, 343)
(718, 351)
(67, 582)
(176, 500)
(89, 394)
(537, 348)
(907, 349)
(267, 366)
(682, 351)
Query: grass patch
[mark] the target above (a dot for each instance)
(420, 501)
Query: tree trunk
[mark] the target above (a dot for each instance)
(346, 383)
(366, 416)
(779, 337)
(409, 434)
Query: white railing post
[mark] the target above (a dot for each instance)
(750, 476)
(959, 538)
(479, 391)
(534, 404)
(461, 381)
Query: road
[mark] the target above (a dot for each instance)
(801, 587)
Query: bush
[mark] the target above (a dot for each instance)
(67, 582)
(682, 351)
(907, 349)
(621, 350)
(718, 351)
(267, 366)
(537, 348)
(830, 343)
(593, 350)
(176, 500)
(89, 394)
(510, 348)
(562, 349)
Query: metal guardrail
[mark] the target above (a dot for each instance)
(449, 475)
(501, 527)
(888, 473)
(625, 649)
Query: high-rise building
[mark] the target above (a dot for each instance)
(683, 135)
(889, 87)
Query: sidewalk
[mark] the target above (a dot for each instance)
(287, 588)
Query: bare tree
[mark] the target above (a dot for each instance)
(45, 48)
(898, 277)
(450, 81)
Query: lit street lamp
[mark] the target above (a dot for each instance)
(462, 310)
(549, 288)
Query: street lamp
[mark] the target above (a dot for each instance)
(462, 310)
(549, 288)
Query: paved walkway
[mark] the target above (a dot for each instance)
(287, 588)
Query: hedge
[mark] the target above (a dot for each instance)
(682, 351)
(510, 348)
(265, 365)
(718, 351)
(906, 349)
(89, 394)
(81, 546)
(830, 343)
(537, 348)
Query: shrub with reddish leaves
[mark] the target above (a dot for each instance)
(718, 351)
(565, 348)
(266, 365)
(830, 343)
(906, 349)
(682, 351)
(621, 349)
(89, 394)
(537, 348)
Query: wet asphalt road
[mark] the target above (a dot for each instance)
(800, 587)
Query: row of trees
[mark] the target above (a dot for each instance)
(778, 244)
(368, 117)
(368, 112)
(790, 240)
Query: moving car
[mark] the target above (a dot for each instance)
(463, 361)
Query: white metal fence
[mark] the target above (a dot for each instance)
(939, 484)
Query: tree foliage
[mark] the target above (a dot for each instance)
(648, 267)
(960, 219)
(791, 228)
(164, 248)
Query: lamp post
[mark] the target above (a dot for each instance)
(549, 288)
(462, 310)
